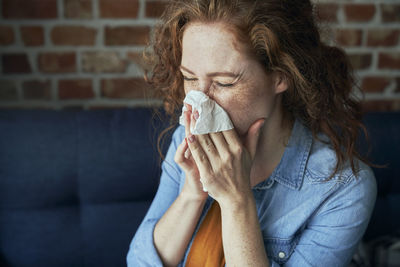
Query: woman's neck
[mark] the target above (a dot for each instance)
(271, 145)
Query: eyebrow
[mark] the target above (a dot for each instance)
(212, 74)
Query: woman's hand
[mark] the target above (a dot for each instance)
(223, 162)
(193, 188)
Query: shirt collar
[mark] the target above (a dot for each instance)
(290, 170)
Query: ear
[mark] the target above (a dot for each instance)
(281, 83)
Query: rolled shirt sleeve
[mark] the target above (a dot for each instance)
(142, 251)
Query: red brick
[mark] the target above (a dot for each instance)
(29, 9)
(375, 84)
(390, 12)
(16, 63)
(75, 89)
(389, 60)
(349, 37)
(73, 35)
(360, 61)
(57, 62)
(78, 9)
(37, 90)
(381, 105)
(125, 88)
(32, 35)
(104, 61)
(382, 37)
(119, 8)
(326, 12)
(6, 35)
(154, 9)
(8, 90)
(127, 35)
(359, 12)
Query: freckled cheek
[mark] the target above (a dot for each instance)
(188, 88)
(246, 104)
(239, 109)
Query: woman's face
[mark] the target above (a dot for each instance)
(214, 62)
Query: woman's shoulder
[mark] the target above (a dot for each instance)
(176, 138)
(322, 162)
(345, 187)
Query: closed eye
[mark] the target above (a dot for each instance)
(189, 79)
(224, 84)
(217, 83)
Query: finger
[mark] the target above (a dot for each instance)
(188, 154)
(252, 137)
(209, 148)
(233, 140)
(187, 122)
(199, 156)
(188, 107)
(192, 120)
(180, 158)
(220, 144)
(205, 141)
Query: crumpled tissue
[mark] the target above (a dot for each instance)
(212, 117)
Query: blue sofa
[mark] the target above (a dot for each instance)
(75, 185)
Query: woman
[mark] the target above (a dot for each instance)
(285, 186)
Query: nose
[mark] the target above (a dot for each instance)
(205, 87)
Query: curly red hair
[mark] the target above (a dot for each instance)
(284, 37)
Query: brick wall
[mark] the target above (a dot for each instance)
(85, 54)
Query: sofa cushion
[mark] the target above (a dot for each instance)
(74, 185)
(384, 134)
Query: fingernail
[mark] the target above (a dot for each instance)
(185, 119)
(191, 138)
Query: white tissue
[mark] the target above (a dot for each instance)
(212, 117)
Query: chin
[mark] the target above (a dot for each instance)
(240, 130)
(242, 125)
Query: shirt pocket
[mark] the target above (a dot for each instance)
(279, 249)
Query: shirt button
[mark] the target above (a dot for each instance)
(281, 255)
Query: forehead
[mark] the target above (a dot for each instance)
(210, 43)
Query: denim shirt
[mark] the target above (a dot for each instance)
(304, 220)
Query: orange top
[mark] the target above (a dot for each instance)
(207, 249)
